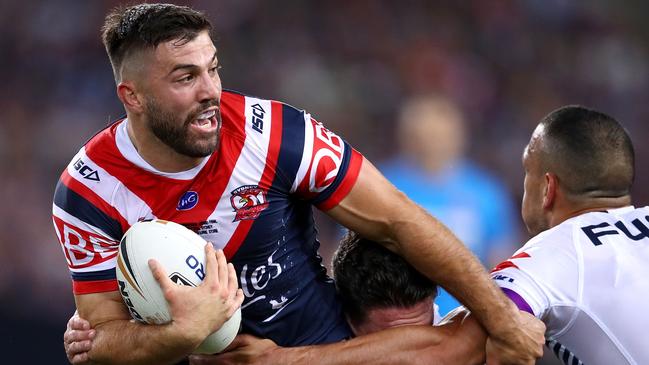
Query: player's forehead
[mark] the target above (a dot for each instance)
(199, 51)
(535, 143)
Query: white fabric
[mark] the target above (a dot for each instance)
(590, 292)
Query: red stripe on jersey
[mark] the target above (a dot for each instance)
(354, 168)
(94, 199)
(82, 248)
(233, 106)
(90, 287)
(267, 177)
(161, 193)
(505, 264)
(146, 185)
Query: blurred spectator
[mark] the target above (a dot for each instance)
(434, 171)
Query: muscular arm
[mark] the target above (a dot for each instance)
(459, 342)
(377, 210)
(451, 344)
(120, 340)
(196, 312)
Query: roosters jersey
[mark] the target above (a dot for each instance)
(587, 279)
(252, 197)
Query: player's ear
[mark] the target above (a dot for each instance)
(127, 93)
(550, 190)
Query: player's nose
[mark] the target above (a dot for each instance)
(210, 88)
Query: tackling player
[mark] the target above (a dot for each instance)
(244, 173)
(585, 273)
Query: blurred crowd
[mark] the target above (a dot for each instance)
(352, 64)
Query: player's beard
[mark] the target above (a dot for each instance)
(166, 126)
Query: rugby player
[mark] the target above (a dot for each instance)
(243, 172)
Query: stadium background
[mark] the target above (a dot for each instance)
(350, 63)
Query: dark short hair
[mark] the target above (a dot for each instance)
(369, 276)
(590, 152)
(138, 27)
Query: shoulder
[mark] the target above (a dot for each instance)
(542, 273)
(555, 246)
(103, 137)
(245, 115)
(548, 260)
(88, 183)
(100, 147)
(240, 103)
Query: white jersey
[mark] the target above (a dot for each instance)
(587, 279)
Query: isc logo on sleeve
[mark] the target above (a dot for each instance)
(86, 171)
(258, 118)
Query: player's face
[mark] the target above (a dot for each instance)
(379, 319)
(183, 96)
(534, 185)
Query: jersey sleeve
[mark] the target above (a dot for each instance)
(320, 165)
(87, 227)
(539, 275)
(519, 287)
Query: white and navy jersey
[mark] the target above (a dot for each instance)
(252, 197)
(588, 280)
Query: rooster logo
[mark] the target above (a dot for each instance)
(248, 202)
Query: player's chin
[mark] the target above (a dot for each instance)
(204, 147)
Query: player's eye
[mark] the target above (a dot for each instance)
(186, 78)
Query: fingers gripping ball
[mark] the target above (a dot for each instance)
(181, 253)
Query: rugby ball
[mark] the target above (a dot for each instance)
(182, 254)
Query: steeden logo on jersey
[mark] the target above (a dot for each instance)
(248, 202)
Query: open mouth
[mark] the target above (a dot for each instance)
(206, 120)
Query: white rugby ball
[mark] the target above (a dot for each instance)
(182, 254)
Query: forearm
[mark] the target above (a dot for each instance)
(120, 340)
(377, 349)
(376, 210)
(129, 342)
(402, 345)
(435, 251)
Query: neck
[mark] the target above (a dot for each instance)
(592, 205)
(155, 152)
(378, 319)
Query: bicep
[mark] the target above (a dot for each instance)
(458, 342)
(373, 206)
(99, 308)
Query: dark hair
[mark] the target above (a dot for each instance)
(590, 152)
(369, 276)
(134, 28)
